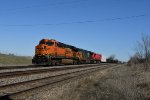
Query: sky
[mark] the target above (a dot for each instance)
(102, 26)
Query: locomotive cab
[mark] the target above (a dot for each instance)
(45, 47)
(43, 51)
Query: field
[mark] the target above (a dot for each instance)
(11, 59)
(119, 83)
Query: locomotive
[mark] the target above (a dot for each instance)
(52, 52)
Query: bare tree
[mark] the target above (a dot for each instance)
(143, 50)
(135, 59)
(112, 57)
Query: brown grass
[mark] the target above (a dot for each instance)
(118, 83)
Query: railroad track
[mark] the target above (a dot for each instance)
(19, 67)
(26, 88)
(19, 76)
(45, 70)
(29, 66)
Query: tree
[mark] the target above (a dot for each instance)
(111, 59)
(143, 50)
(135, 59)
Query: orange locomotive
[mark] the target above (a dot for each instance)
(52, 52)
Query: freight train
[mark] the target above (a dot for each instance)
(52, 52)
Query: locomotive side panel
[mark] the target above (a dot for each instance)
(60, 50)
(68, 53)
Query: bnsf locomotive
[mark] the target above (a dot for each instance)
(52, 52)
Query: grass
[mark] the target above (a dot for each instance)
(11, 59)
(119, 83)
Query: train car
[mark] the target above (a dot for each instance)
(52, 52)
(96, 58)
(103, 59)
(86, 56)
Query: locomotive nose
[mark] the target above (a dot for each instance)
(41, 49)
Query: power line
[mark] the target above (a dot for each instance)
(81, 22)
(44, 5)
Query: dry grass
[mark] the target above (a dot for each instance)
(119, 83)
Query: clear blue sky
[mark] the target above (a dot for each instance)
(104, 26)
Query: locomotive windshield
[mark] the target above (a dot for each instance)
(50, 43)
